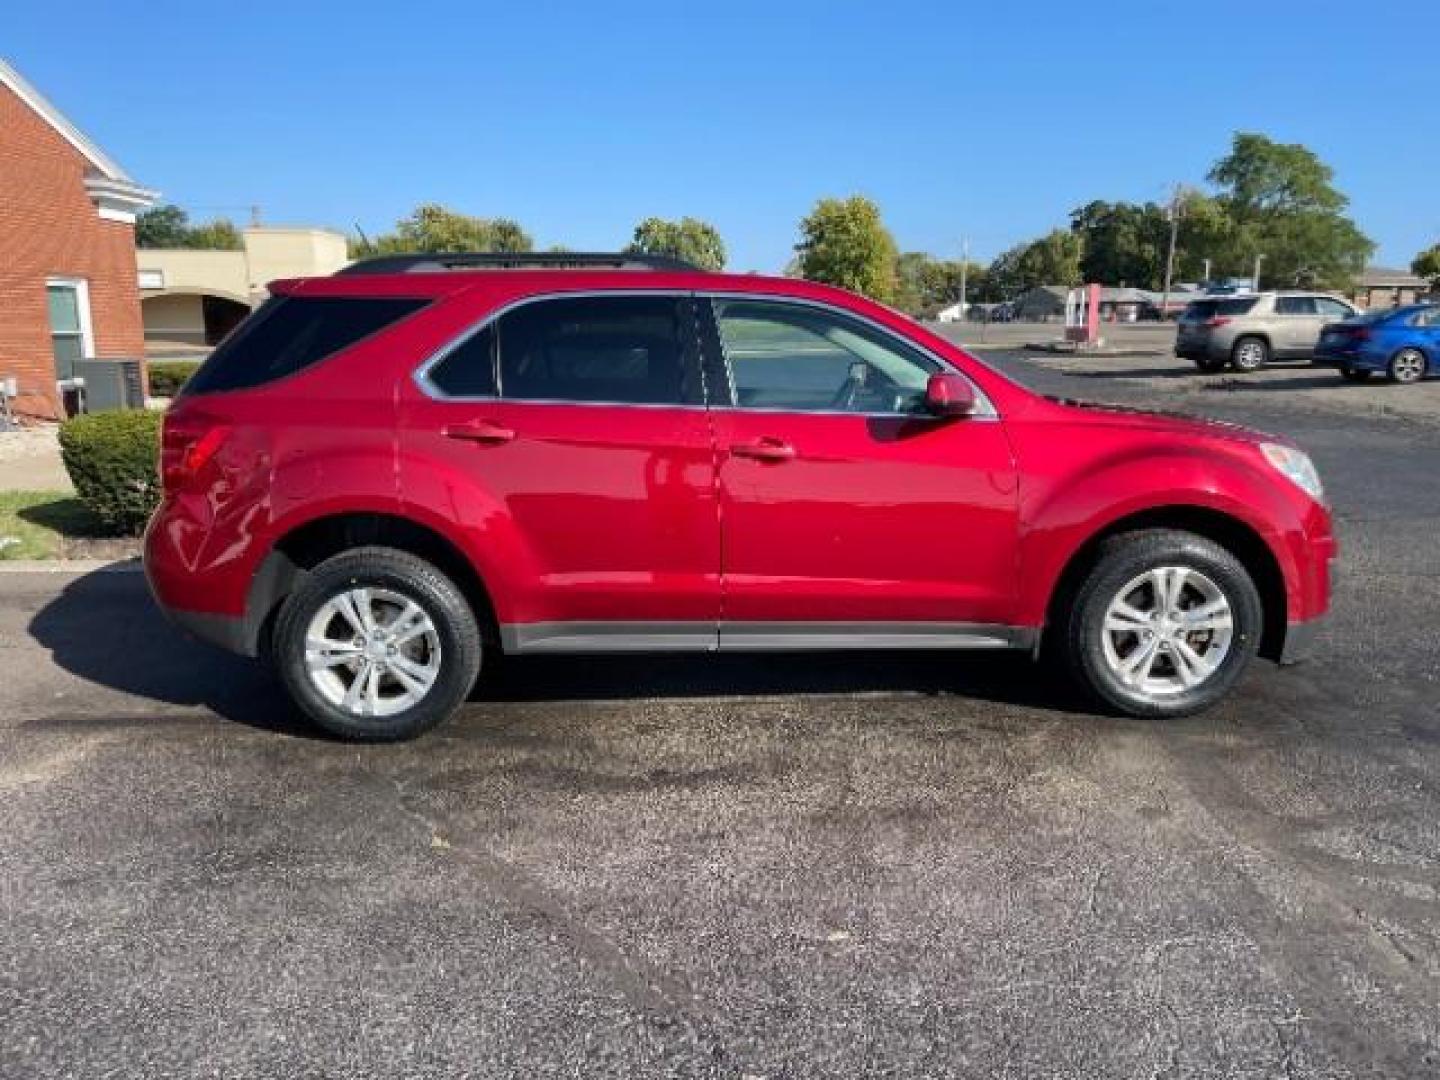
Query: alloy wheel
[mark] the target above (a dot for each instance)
(1167, 631)
(1408, 366)
(372, 652)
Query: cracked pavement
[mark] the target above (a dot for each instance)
(902, 866)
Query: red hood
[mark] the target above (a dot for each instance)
(1152, 420)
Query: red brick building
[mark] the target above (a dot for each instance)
(68, 285)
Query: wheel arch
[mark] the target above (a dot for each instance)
(310, 543)
(1230, 532)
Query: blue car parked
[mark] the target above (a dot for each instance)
(1402, 343)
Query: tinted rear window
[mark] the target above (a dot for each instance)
(1200, 310)
(290, 333)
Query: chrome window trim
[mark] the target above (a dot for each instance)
(985, 412)
(420, 376)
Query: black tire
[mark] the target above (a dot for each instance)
(1120, 560)
(1249, 353)
(1355, 375)
(408, 577)
(1210, 364)
(1407, 366)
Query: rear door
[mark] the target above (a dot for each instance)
(575, 433)
(850, 515)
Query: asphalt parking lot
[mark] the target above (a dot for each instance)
(809, 866)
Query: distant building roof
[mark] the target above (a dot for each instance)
(1379, 277)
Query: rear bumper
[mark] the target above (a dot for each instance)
(229, 632)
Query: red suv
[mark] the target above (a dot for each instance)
(383, 477)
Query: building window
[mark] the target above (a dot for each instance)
(71, 337)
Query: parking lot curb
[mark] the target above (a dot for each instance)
(70, 566)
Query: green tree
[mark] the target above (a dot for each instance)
(1122, 243)
(1281, 203)
(169, 226)
(691, 239)
(844, 242)
(926, 284)
(1427, 265)
(434, 228)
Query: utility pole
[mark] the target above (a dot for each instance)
(254, 215)
(1170, 258)
(964, 278)
(1207, 272)
(1255, 282)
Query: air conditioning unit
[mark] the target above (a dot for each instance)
(111, 384)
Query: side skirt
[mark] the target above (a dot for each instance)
(598, 637)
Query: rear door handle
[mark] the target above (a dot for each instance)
(479, 431)
(765, 449)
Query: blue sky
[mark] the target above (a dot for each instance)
(578, 119)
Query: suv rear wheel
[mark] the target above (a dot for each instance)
(1164, 624)
(1250, 354)
(377, 645)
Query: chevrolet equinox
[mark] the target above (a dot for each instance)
(385, 477)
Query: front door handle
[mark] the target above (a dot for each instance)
(479, 431)
(765, 449)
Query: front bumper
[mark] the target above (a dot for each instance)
(1300, 641)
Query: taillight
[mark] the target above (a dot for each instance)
(1216, 322)
(186, 446)
(1361, 333)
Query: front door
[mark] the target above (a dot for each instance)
(579, 427)
(849, 515)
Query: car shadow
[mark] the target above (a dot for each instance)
(104, 628)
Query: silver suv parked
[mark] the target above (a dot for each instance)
(1248, 331)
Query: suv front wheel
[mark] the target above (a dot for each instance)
(377, 645)
(1164, 624)
(1250, 354)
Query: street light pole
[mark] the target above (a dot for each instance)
(1255, 282)
(1170, 258)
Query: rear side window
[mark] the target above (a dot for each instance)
(612, 349)
(467, 370)
(290, 333)
(1200, 310)
(1428, 317)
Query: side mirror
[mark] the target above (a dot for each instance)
(950, 395)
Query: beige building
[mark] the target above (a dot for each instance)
(191, 298)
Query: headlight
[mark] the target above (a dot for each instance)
(1296, 465)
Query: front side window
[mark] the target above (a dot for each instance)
(1428, 317)
(609, 349)
(1333, 309)
(797, 358)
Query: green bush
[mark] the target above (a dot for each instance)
(168, 376)
(113, 461)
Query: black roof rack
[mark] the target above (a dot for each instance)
(491, 260)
